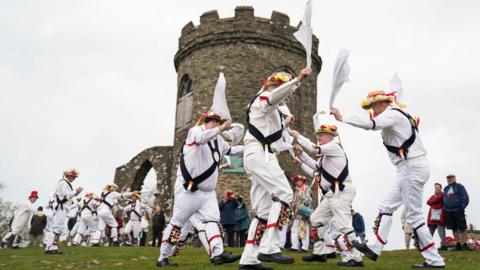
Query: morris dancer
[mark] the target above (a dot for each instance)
(338, 193)
(407, 153)
(109, 198)
(197, 176)
(64, 193)
(21, 220)
(135, 210)
(300, 227)
(86, 220)
(271, 193)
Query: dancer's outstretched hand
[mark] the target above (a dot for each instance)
(298, 149)
(297, 161)
(289, 120)
(294, 133)
(336, 113)
(225, 125)
(304, 73)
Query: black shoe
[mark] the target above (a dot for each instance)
(225, 257)
(458, 247)
(2, 244)
(363, 248)
(165, 262)
(276, 258)
(303, 251)
(315, 258)
(467, 247)
(350, 263)
(443, 248)
(426, 265)
(293, 250)
(16, 247)
(53, 252)
(332, 255)
(253, 267)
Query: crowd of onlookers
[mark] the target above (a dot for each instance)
(234, 219)
(446, 212)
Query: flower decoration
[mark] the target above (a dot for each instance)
(278, 78)
(327, 128)
(71, 172)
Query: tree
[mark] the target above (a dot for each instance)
(7, 209)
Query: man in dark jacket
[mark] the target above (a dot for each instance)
(455, 200)
(358, 225)
(227, 216)
(243, 222)
(158, 225)
(37, 225)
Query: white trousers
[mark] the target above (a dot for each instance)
(328, 238)
(295, 234)
(86, 224)
(337, 206)
(202, 203)
(56, 229)
(105, 217)
(407, 190)
(195, 222)
(268, 181)
(132, 226)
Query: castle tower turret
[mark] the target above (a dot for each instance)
(247, 49)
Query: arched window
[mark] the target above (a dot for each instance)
(185, 86)
(184, 103)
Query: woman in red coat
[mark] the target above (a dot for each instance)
(436, 215)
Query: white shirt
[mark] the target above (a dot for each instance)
(333, 159)
(23, 215)
(65, 191)
(91, 204)
(264, 113)
(396, 129)
(198, 157)
(138, 206)
(111, 198)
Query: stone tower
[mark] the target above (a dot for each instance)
(247, 49)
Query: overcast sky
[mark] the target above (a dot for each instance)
(89, 84)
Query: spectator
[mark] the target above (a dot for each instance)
(436, 215)
(455, 200)
(407, 229)
(358, 225)
(37, 225)
(227, 216)
(243, 222)
(158, 225)
(144, 229)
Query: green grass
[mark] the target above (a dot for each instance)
(80, 258)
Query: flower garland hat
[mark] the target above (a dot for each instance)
(277, 79)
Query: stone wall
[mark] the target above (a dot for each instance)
(131, 175)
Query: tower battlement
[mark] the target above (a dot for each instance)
(243, 27)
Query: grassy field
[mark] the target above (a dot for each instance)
(195, 258)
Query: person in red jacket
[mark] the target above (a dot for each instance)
(436, 215)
